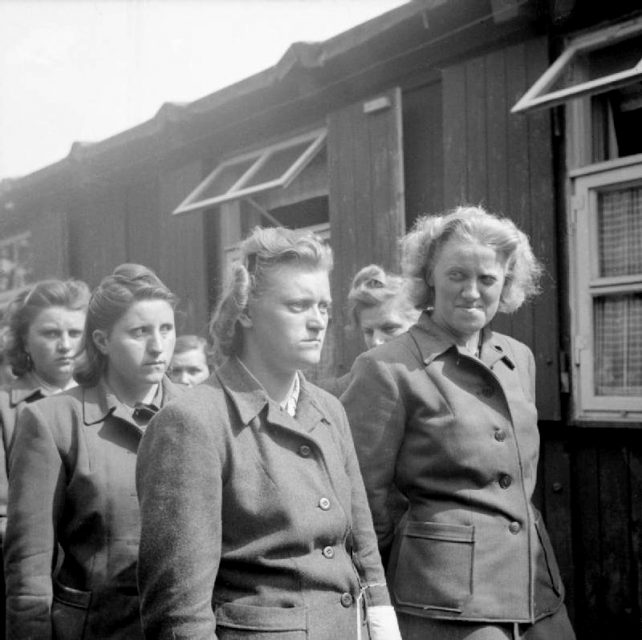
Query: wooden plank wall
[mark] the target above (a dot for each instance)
(504, 163)
(365, 174)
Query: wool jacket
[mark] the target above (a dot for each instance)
(22, 391)
(255, 524)
(72, 483)
(458, 436)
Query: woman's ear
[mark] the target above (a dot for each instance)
(100, 340)
(245, 320)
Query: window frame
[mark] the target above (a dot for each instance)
(586, 183)
(259, 158)
(539, 96)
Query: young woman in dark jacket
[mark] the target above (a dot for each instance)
(255, 523)
(72, 472)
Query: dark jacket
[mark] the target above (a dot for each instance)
(458, 435)
(254, 524)
(72, 483)
(22, 391)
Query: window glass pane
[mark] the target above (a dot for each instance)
(225, 178)
(618, 345)
(620, 231)
(277, 164)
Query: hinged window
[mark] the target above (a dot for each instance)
(607, 230)
(591, 64)
(255, 172)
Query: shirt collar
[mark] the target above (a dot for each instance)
(433, 341)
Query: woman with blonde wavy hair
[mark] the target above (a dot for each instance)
(255, 522)
(446, 414)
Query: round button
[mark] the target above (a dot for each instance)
(305, 451)
(328, 552)
(514, 527)
(487, 392)
(505, 481)
(324, 503)
(346, 600)
(500, 436)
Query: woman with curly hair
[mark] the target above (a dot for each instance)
(255, 522)
(446, 413)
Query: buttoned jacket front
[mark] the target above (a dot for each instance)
(72, 483)
(254, 523)
(458, 436)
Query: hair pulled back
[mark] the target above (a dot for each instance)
(264, 250)
(110, 300)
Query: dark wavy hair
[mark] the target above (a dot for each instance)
(264, 250)
(110, 300)
(27, 305)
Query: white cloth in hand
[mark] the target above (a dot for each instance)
(383, 623)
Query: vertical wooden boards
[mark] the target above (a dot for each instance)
(505, 163)
(366, 198)
(182, 247)
(50, 245)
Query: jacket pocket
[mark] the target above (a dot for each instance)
(432, 567)
(242, 621)
(69, 612)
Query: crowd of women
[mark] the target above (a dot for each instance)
(394, 502)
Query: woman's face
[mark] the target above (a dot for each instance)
(286, 325)
(53, 341)
(468, 279)
(138, 348)
(381, 323)
(189, 367)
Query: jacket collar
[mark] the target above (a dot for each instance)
(99, 402)
(25, 389)
(250, 398)
(432, 341)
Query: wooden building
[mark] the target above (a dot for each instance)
(532, 108)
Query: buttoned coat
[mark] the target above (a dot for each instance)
(254, 524)
(458, 436)
(72, 483)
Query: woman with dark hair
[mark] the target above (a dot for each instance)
(446, 413)
(255, 523)
(72, 472)
(42, 339)
(192, 360)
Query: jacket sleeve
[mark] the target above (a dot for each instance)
(365, 551)
(377, 419)
(179, 482)
(36, 481)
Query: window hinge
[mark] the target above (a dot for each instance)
(565, 381)
(579, 346)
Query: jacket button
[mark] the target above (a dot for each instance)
(346, 600)
(514, 527)
(487, 392)
(305, 451)
(500, 435)
(505, 481)
(328, 552)
(324, 503)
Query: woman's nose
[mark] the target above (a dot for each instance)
(471, 290)
(378, 338)
(317, 318)
(64, 343)
(155, 344)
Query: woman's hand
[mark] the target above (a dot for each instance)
(382, 621)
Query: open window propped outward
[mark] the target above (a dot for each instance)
(255, 172)
(590, 64)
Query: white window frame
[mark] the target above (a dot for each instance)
(257, 159)
(539, 96)
(586, 284)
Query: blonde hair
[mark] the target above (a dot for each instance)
(371, 287)
(263, 251)
(421, 248)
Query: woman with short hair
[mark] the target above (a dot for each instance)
(255, 522)
(446, 414)
(72, 466)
